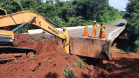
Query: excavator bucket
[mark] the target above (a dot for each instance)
(66, 43)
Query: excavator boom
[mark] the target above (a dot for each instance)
(24, 16)
(30, 17)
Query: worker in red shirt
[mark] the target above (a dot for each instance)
(95, 25)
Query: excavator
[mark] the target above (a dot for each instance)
(21, 19)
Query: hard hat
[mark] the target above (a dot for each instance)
(94, 21)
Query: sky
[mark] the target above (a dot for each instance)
(118, 4)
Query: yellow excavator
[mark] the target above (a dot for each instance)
(22, 18)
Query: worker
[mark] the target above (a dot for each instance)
(95, 25)
(102, 28)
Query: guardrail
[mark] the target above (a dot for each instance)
(115, 33)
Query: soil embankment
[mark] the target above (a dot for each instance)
(50, 62)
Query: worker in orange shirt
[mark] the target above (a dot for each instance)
(95, 25)
(102, 28)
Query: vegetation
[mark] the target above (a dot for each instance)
(69, 73)
(68, 13)
(12, 5)
(80, 64)
(131, 44)
(133, 24)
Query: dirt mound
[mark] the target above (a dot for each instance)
(52, 62)
(49, 62)
(23, 37)
(44, 65)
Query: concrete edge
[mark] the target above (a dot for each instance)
(37, 31)
(110, 39)
(110, 34)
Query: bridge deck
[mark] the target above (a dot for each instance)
(93, 47)
(109, 28)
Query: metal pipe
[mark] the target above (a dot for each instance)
(20, 26)
(54, 24)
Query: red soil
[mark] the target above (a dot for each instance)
(122, 67)
(23, 37)
(50, 62)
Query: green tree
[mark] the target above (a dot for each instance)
(133, 11)
(12, 5)
(68, 13)
(132, 15)
(47, 10)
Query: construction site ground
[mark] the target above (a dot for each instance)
(50, 62)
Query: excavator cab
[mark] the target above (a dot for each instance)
(3, 30)
(7, 51)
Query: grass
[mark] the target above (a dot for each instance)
(126, 22)
(109, 22)
(69, 73)
(122, 51)
(22, 30)
(105, 23)
(80, 63)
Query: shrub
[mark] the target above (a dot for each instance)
(69, 73)
(80, 63)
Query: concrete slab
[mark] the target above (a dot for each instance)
(88, 46)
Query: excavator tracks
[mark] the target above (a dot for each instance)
(8, 53)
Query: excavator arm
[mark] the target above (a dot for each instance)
(34, 19)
